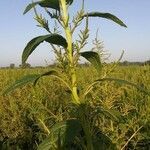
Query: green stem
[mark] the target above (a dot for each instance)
(70, 51)
(44, 126)
(68, 32)
(82, 116)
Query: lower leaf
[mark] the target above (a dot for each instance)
(62, 134)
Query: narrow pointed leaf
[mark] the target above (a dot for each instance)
(54, 4)
(93, 58)
(63, 132)
(30, 6)
(55, 74)
(120, 81)
(27, 79)
(52, 72)
(106, 16)
(126, 82)
(21, 82)
(50, 38)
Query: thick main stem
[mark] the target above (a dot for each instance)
(76, 99)
(70, 51)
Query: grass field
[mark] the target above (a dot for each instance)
(28, 113)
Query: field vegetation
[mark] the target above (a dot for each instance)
(28, 113)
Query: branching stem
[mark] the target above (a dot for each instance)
(70, 50)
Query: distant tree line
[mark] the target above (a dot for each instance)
(124, 63)
(25, 65)
(127, 63)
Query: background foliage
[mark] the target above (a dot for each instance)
(23, 113)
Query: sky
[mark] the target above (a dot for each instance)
(16, 30)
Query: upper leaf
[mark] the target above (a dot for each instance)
(106, 16)
(30, 6)
(93, 58)
(54, 4)
(50, 38)
(62, 133)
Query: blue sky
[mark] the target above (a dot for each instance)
(17, 29)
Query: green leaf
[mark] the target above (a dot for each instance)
(93, 58)
(120, 81)
(50, 38)
(111, 113)
(52, 73)
(106, 16)
(69, 1)
(27, 79)
(101, 141)
(30, 6)
(54, 4)
(63, 133)
(21, 82)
